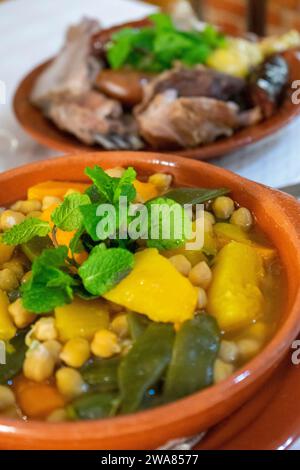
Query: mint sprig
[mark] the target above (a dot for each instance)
(25, 231)
(105, 268)
(180, 224)
(50, 285)
(67, 216)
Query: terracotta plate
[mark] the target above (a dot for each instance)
(42, 130)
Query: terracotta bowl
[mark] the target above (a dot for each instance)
(45, 132)
(277, 214)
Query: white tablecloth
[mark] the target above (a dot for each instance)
(32, 30)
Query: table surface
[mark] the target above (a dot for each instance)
(34, 30)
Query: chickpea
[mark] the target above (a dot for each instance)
(222, 371)
(71, 191)
(182, 264)
(161, 181)
(10, 218)
(27, 206)
(126, 346)
(54, 347)
(49, 201)
(119, 325)
(45, 329)
(26, 277)
(223, 207)
(201, 275)
(105, 344)
(248, 347)
(7, 398)
(242, 218)
(21, 317)
(75, 352)
(8, 280)
(34, 214)
(39, 363)
(229, 351)
(57, 416)
(69, 382)
(15, 266)
(209, 217)
(116, 172)
(202, 299)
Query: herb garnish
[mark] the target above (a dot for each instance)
(156, 47)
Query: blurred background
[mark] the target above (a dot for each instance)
(232, 15)
(274, 161)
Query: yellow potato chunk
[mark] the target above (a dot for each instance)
(234, 296)
(155, 288)
(81, 318)
(145, 191)
(7, 328)
(228, 232)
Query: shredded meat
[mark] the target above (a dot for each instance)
(95, 119)
(73, 71)
(199, 81)
(169, 121)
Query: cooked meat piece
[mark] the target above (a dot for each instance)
(95, 119)
(198, 81)
(170, 121)
(74, 69)
(267, 84)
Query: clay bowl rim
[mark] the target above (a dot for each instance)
(186, 408)
(46, 133)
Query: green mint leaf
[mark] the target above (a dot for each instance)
(90, 220)
(104, 183)
(105, 268)
(155, 48)
(76, 245)
(162, 21)
(50, 285)
(124, 186)
(118, 53)
(179, 224)
(67, 215)
(25, 231)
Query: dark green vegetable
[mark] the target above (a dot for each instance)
(195, 351)
(195, 195)
(102, 373)
(145, 364)
(14, 359)
(94, 406)
(35, 246)
(137, 324)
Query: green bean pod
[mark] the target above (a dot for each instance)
(145, 364)
(195, 351)
(93, 406)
